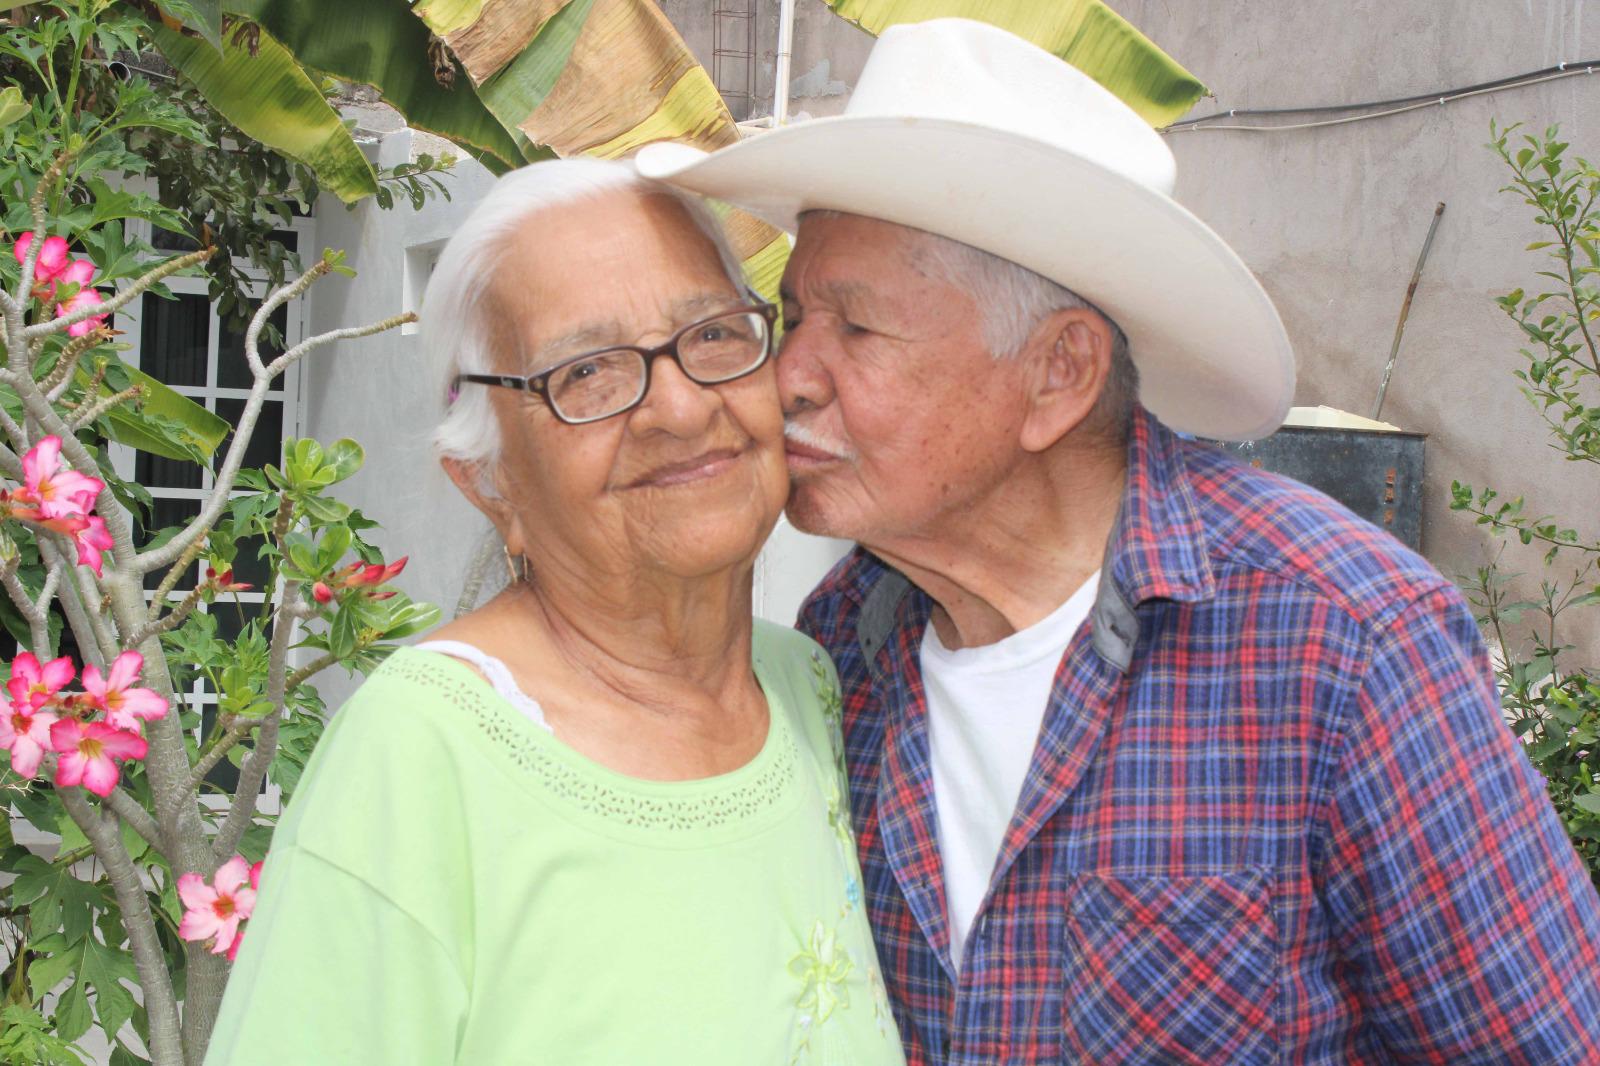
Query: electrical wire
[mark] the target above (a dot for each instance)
(1397, 106)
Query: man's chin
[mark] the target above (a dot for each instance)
(807, 513)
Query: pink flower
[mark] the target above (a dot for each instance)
(92, 540)
(79, 272)
(124, 706)
(54, 492)
(213, 912)
(89, 753)
(52, 256)
(26, 734)
(359, 575)
(32, 685)
(225, 582)
(81, 299)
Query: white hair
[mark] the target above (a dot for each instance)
(1012, 300)
(457, 334)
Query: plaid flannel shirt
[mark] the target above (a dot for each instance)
(1274, 815)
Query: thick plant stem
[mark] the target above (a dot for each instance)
(166, 1047)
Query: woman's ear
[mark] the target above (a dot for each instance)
(1071, 352)
(474, 481)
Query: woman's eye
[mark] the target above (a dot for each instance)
(579, 371)
(713, 332)
(852, 330)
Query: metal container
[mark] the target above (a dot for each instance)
(1377, 474)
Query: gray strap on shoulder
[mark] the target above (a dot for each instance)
(878, 613)
(1116, 627)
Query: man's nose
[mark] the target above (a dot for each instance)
(804, 382)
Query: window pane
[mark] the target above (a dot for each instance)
(266, 445)
(168, 513)
(159, 472)
(172, 338)
(249, 569)
(167, 240)
(224, 774)
(233, 372)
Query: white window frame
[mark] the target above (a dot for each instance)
(287, 389)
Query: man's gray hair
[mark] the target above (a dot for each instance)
(457, 333)
(1013, 300)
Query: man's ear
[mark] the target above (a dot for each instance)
(1071, 352)
(473, 479)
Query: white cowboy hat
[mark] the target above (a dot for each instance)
(968, 131)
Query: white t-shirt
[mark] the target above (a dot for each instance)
(985, 706)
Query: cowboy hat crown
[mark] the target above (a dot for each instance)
(967, 131)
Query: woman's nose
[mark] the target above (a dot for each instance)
(675, 402)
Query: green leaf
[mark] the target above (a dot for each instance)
(381, 44)
(272, 99)
(1590, 802)
(203, 16)
(345, 456)
(1086, 33)
(166, 422)
(12, 105)
(57, 898)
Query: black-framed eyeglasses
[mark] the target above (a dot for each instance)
(609, 381)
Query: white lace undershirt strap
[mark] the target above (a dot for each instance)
(497, 673)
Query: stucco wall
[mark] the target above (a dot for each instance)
(1332, 219)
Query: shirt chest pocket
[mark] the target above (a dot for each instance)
(1171, 970)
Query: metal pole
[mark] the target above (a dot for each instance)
(1405, 310)
(780, 79)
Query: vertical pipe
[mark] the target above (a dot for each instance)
(1405, 311)
(780, 80)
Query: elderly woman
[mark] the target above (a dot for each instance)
(601, 819)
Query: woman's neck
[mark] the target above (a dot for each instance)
(653, 681)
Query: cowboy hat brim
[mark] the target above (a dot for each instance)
(1213, 356)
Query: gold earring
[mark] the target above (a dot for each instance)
(516, 568)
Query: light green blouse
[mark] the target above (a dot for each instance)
(452, 884)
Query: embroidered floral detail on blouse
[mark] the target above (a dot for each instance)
(880, 1002)
(823, 967)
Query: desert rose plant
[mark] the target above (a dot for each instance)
(135, 888)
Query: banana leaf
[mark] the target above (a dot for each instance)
(166, 423)
(272, 99)
(202, 16)
(379, 43)
(597, 77)
(1086, 33)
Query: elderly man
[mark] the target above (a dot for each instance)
(1155, 758)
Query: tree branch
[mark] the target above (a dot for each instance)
(236, 731)
(174, 575)
(310, 670)
(166, 1048)
(172, 620)
(85, 417)
(305, 347)
(38, 625)
(55, 383)
(223, 482)
(254, 771)
(119, 300)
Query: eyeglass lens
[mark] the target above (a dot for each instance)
(718, 349)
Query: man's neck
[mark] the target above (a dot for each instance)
(1016, 554)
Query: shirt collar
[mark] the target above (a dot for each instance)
(1158, 547)
(1157, 550)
